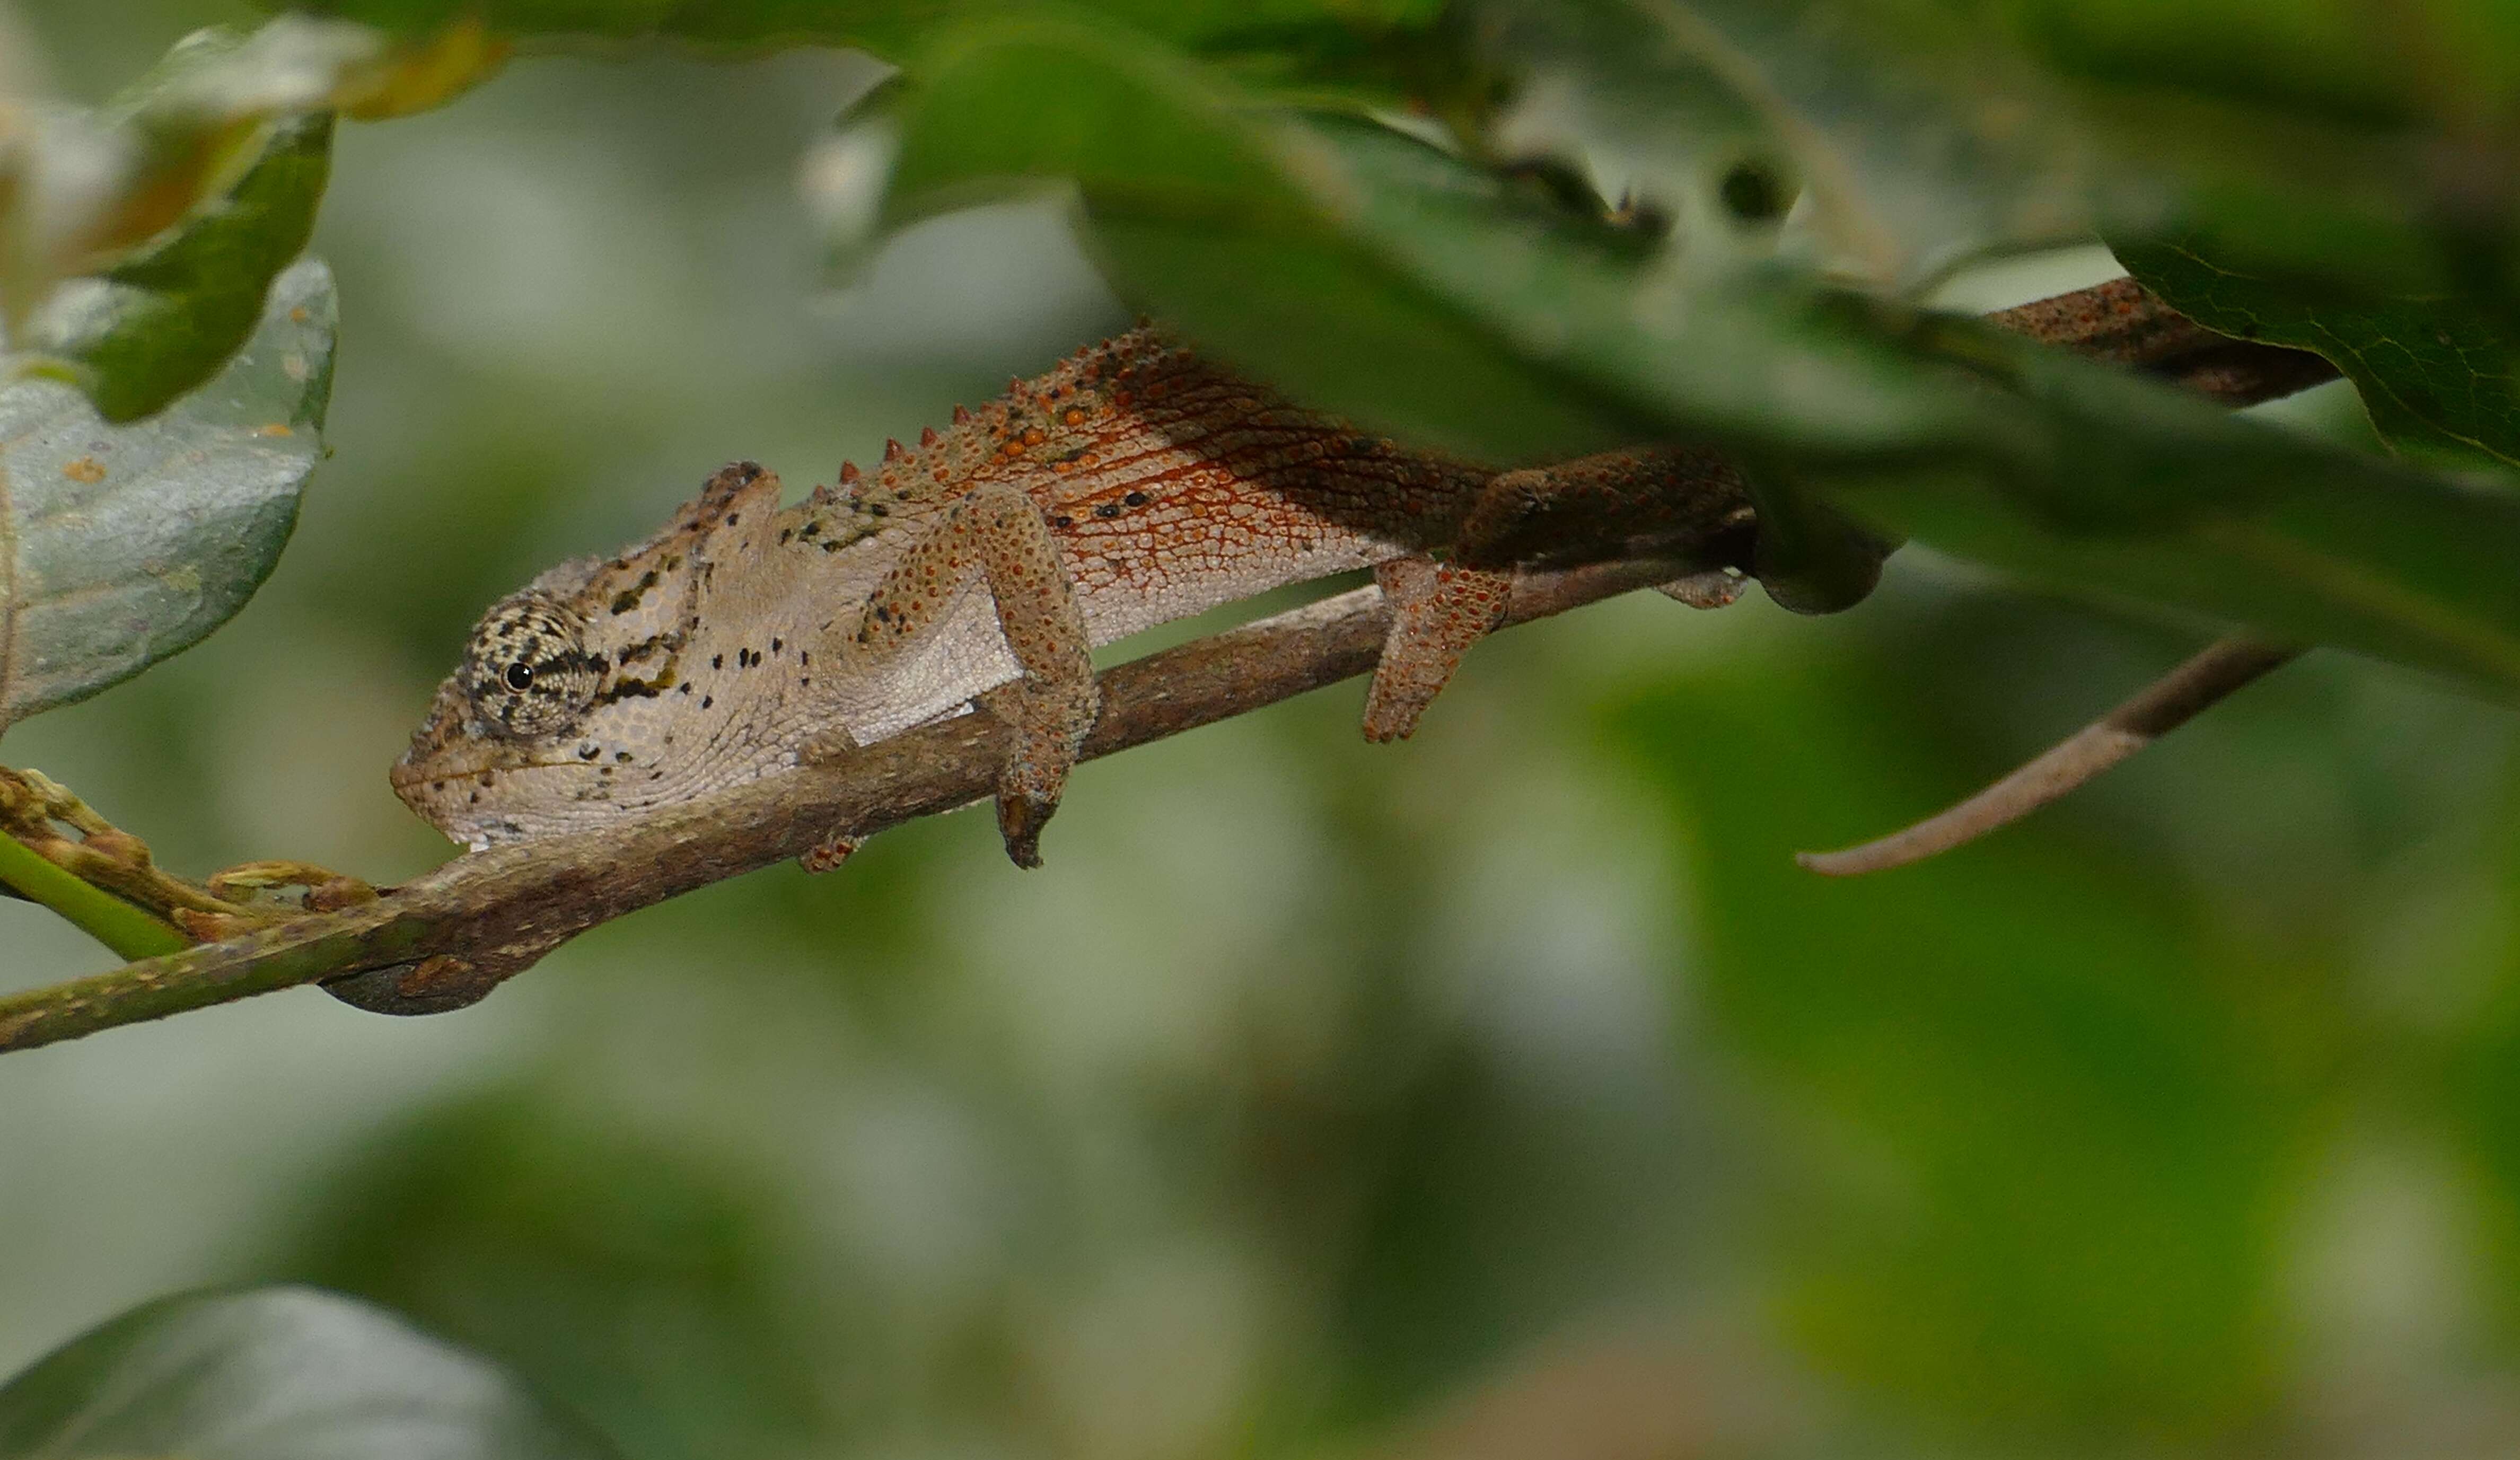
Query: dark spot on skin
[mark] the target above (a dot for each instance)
(603, 770)
(717, 661)
(588, 752)
(628, 598)
(831, 547)
(807, 683)
(733, 517)
(777, 645)
(708, 700)
(686, 689)
(1107, 510)
(1135, 499)
(805, 656)
(489, 778)
(879, 509)
(623, 689)
(437, 786)
(621, 757)
(785, 533)
(882, 614)
(474, 799)
(811, 529)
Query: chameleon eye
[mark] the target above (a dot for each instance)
(527, 672)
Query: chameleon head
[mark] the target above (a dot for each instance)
(565, 711)
(497, 758)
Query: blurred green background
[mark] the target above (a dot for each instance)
(1508, 1092)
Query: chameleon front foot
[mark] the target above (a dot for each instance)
(1050, 720)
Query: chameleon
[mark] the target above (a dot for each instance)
(1135, 483)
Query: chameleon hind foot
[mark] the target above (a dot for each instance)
(1438, 610)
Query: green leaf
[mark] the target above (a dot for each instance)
(1384, 278)
(1231, 225)
(276, 1374)
(2122, 489)
(161, 324)
(2435, 375)
(1388, 280)
(120, 546)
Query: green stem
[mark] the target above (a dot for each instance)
(102, 916)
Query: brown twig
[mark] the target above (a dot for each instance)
(2164, 705)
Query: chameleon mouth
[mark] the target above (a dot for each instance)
(421, 776)
(408, 772)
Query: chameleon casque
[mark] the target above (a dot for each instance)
(1134, 484)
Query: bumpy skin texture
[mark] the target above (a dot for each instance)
(1133, 485)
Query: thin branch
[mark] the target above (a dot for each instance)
(2161, 707)
(447, 937)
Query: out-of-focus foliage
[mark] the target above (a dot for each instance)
(1409, 287)
(893, 30)
(1506, 1092)
(278, 1374)
(122, 545)
(153, 327)
(174, 205)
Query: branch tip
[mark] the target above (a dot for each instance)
(2208, 678)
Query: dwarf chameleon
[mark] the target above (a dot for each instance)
(1134, 484)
